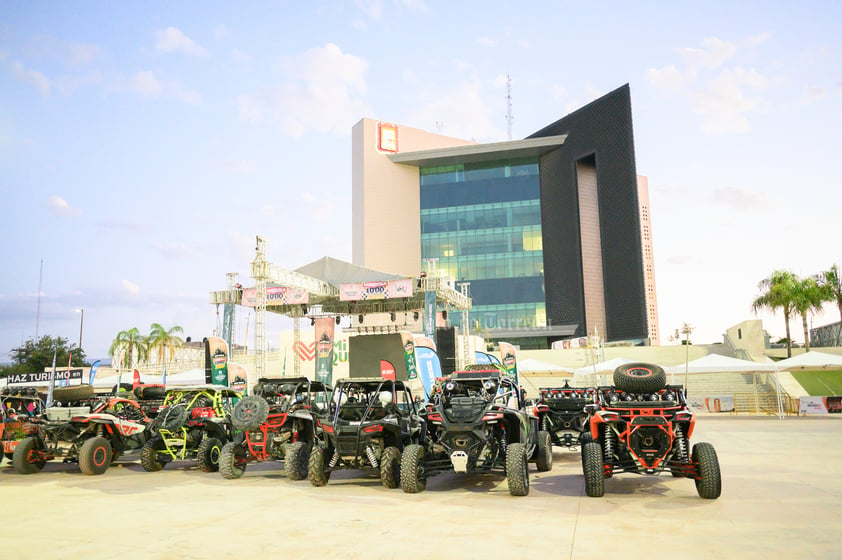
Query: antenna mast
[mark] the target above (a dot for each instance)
(509, 116)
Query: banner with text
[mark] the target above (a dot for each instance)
(507, 351)
(277, 295)
(324, 349)
(359, 291)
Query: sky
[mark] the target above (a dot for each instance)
(143, 146)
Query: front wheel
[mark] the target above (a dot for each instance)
(26, 459)
(316, 472)
(208, 454)
(150, 456)
(232, 461)
(709, 480)
(295, 461)
(544, 461)
(593, 469)
(95, 455)
(516, 469)
(412, 469)
(390, 467)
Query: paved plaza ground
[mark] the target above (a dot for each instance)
(781, 498)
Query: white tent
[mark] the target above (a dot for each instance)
(714, 363)
(530, 365)
(810, 360)
(607, 366)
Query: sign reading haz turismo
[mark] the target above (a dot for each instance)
(44, 376)
(358, 291)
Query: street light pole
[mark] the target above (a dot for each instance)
(81, 324)
(686, 329)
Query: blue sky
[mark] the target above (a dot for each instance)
(144, 145)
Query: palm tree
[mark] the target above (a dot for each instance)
(831, 283)
(777, 293)
(124, 346)
(165, 342)
(808, 297)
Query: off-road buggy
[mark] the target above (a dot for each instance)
(369, 422)
(83, 428)
(150, 397)
(562, 411)
(192, 423)
(642, 425)
(477, 422)
(276, 423)
(19, 408)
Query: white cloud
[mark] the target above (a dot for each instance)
(486, 42)
(239, 56)
(373, 9)
(172, 39)
(60, 207)
(758, 39)
(146, 84)
(669, 78)
(740, 200)
(130, 287)
(32, 77)
(323, 93)
(713, 54)
(220, 31)
(813, 93)
(558, 92)
(244, 167)
(462, 112)
(522, 43)
(723, 105)
(174, 251)
(414, 5)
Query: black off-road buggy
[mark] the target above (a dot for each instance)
(192, 423)
(642, 425)
(85, 429)
(369, 423)
(563, 412)
(477, 423)
(276, 423)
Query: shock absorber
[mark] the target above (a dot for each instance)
(681, 445)
(609, 444)
(334, 460)
(546, 424)
(372, 457)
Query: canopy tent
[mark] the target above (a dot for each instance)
(607, 366)
(715, 363)
(530, 365)
(810, 360)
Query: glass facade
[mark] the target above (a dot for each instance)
(482, 222)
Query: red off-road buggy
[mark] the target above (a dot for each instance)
(85, 429)
(19, 408)
(642, 425)
(276, 423)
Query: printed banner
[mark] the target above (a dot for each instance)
(277, 295)
(216, 361)
(228, 324)
(324, 349)
(44, 376)
(429, 367)
(92, 373)
(507, 351)
(387, 370)
(820, 405)
(424, 342)
(409, 354)
(358, 291)
(430, 314)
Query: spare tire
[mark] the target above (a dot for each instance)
(640, 377)
(171, 418)
(72, 393)
(150, 392)
(250, 413)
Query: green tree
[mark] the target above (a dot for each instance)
(831, 284)
(807, 297)
(37, 355)
(165, 342)
(126, 345)
(776, 292)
